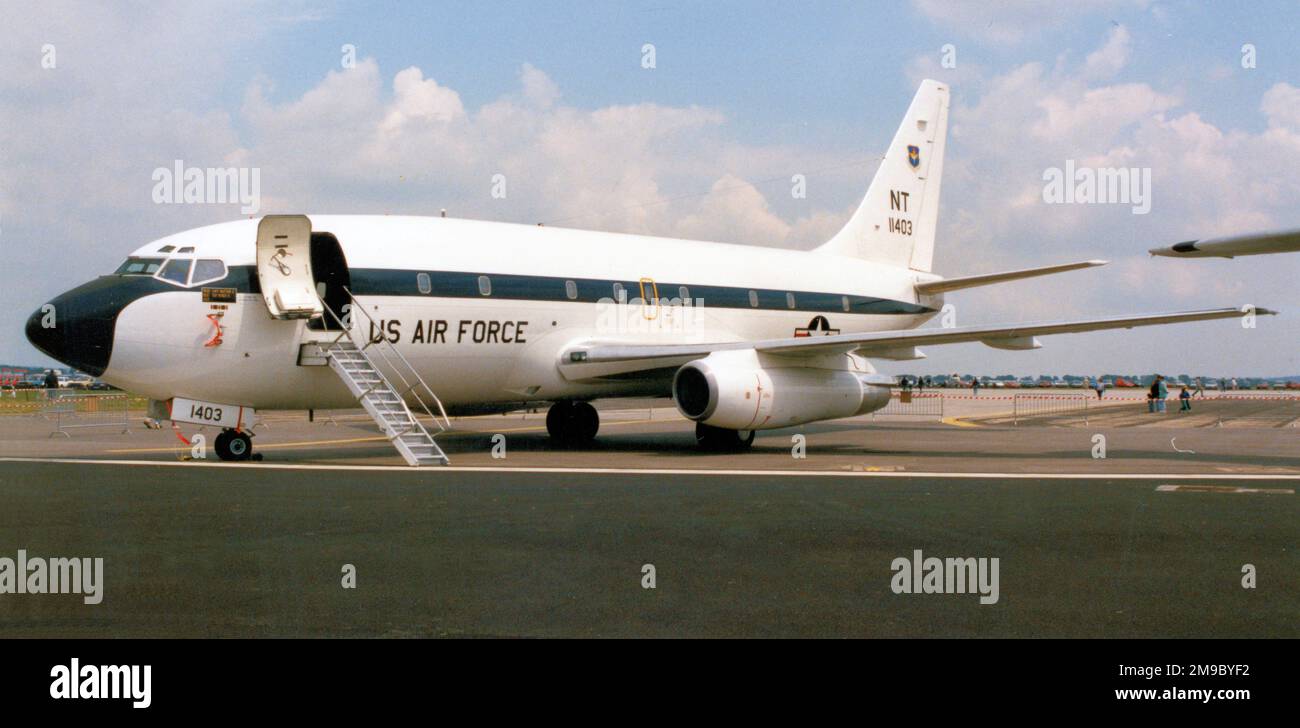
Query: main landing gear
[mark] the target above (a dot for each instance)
(717, 439)
(572, 423)
(235, 446)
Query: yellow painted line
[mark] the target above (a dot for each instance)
(378, 438)
(961, 421)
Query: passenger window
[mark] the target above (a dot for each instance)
(789, 300)
(484, 286)
(571, 290)
(844, 301)
(685, 294)
(753, 298)
(207, 270)
(177, 271)
(422, 280)
(619, 295)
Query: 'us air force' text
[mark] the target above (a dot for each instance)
(439, 331)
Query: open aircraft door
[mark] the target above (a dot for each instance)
(284, 267)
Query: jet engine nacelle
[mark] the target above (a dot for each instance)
(736, 391)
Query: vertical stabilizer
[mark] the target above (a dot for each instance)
(896, 222)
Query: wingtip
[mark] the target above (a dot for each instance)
(1250, 308)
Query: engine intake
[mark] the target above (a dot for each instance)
(737, 391)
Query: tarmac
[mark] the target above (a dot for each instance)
(1107, 521)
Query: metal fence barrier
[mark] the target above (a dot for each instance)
(917, 404)
(1032, 405)
(78, 411)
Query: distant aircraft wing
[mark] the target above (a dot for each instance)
(1280, 241)
(597, 359)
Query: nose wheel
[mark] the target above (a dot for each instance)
(234, 446)
(572, 423)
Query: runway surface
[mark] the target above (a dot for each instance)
(1150, 540)
(213, 551)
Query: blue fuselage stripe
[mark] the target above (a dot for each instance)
(457, 284)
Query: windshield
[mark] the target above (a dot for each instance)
(207, 270)
(177, 270)
(139, 267)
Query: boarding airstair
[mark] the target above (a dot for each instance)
(385, 400)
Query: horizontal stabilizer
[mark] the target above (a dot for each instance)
(988, 279)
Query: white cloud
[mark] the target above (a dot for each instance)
(1082, 117)
(1111, 57)
(1281, 104)
(419, 99)
(734, 209)
(538, 87)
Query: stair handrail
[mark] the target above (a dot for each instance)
(384, 343)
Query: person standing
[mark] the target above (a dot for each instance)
(1185, 400)
(1162, 393)
(975, 386)
(1101, 388)
(51, 384)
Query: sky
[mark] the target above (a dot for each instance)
(556, 97)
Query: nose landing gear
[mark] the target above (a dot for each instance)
(572, 423)
(235, 446)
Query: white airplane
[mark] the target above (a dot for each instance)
(457, 316)
(1231, 246)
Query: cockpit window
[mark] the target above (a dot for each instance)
(166, 248)
(207, 270)
(139, 267)
(177, 270)
(186, 249)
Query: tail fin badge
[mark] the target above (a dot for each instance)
(914, 156)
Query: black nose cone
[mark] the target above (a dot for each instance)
(77, 327)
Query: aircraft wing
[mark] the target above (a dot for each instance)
(597, 359)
